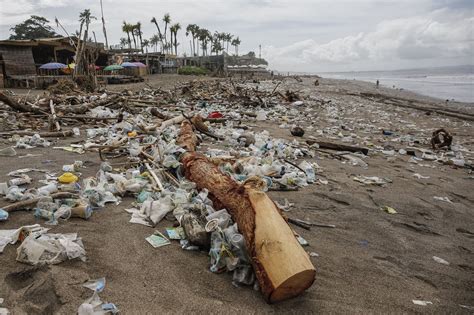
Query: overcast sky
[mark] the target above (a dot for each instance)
(296, 35)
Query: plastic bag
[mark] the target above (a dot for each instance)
(51, 249)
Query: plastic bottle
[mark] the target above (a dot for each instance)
(222, 216)
(48, 189)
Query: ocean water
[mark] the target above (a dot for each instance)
(447, 83)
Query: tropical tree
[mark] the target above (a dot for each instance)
(154, 40)
(160, 35)
(85, 18)
(236, 43)
(204, 36)
(132, 28)
(103, 25)
(192, 29)
(228, 38)
(126, 29)
(174, 32)
(123, 42)
(34, 27)
(167, 20)
(138, 31)
(216, 43)
(145, 44)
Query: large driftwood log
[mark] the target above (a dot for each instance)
(282, 267)
(338, 147)
(84, 108)
(47, 134)
(26, 108)
(187, 139)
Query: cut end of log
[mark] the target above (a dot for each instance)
(293, 286)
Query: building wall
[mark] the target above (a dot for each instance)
(18, 60)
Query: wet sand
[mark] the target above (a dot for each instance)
(372, 262)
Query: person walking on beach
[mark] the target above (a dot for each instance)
(377, 84)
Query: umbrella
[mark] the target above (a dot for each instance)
(139, 64)
(113, 67)
(53, 66)
(129, 65)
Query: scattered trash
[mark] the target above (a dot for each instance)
(441, 138)
(297, 131)
(3, 215)
(445, 199)
(372, 180)
(50, 249)
(94, 304)
(422, 303)
(142, 154)
(388, 209)
(157, 240)
(440, 260)
(215, 115)
(7, 152)
(68, 178)
(419, 176)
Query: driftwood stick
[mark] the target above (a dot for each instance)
(153, 174)
(53, 113)
(51, 134)
(338, 147)
(26, 204)
(19, 106)
(300, 224)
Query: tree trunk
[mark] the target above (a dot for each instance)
(18, 106)
(282, 267)
(103, 25)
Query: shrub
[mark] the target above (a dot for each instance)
(191, 70)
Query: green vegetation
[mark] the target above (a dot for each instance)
(32, 28)
(191, 70)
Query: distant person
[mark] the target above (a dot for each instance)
(377, 84)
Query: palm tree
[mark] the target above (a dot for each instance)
(138, 28)
(204, 36)
(216, 46)
(160, 36)
(145, 44)
(236, 43)
(197, 29)
(132, 28)
(174, 32)
(123, 42)
(167, 20)
(85, 18)
(103, 25)
(154, 40)
(228, 39)
(126, 29)
(190, 30)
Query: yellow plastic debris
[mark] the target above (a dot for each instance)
(68, 178)
(132, 134)
(388, 209)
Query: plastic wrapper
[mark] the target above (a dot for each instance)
(51, 249)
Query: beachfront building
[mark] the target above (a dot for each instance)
(20, 59)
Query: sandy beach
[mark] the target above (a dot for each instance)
(371, 262)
